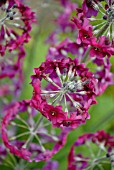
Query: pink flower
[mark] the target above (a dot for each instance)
(70, 90)
(18, 18)
(89, 9)
(85, 30)
(100, 16)
(54, 114)
(104, 76)
(102, 141)
(28, 137)
(101, 47)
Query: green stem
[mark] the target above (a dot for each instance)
(102, 30)
(38, 123)
(28, 141)
(32, 135)
(42, 147)
(86, 54)
(13, 158)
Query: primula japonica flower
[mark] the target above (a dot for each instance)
(100, 13)
(99, 153)
(28, 136)
(63, 91)
(104, 76)
(98, 62)
(15, 24)
(85, 30)
(66, 48)
(101, 47)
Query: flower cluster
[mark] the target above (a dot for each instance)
(100, 151)
(76, 70)
(69, 92)
(15, 24)
(37, 133)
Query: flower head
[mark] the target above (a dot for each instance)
(15, 24)
(28, 136)
(100, 146)
(100, 14)
(68, 94)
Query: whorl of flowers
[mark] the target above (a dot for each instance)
(68, 94)
(102, 11)
(25, 133)
(76, 70)
(101, 141)
(15, 24)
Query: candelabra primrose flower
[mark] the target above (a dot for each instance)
(101, 16)
(100, 141)
(15, 24)
(78, 68)
(26, 135)
(68, 93)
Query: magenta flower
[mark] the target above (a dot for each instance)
(28, 136)
(68, 94)
(59, 51)
(16, 20)
(101, 47)
(100, 141)
(64, 21)
(85, 30)
(55, 114)
(88, 8)
(66, 48)
(100, 15)
(81, 163)
(104, 76)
